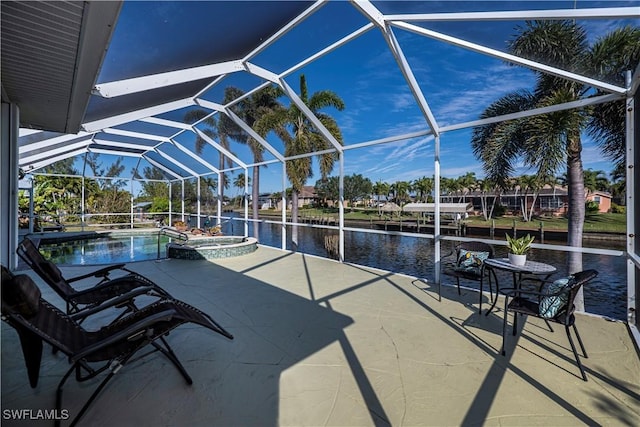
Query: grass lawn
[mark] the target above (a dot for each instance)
(603, 223)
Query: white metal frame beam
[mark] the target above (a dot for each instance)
(170, 78)
(599, 13)
(162, 167)
(177, 163)
(113, 152)
(119, 144)
(376, 17)
(26, 147)
(509, 57)
(54, 152)
(310, 115)
(167, 123)
(536, 111)
(194, 156)
(133, 134)
(237, 120)
(219, 147)
(50, 160)
(131, 116)
(407, 71)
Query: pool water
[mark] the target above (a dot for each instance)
(106, 250)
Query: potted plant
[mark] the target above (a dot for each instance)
(518, 248)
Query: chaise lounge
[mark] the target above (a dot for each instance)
(81, 303)
(92, 352)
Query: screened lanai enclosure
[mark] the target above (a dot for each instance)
(198, 108)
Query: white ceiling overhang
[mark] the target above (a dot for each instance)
(51, 55)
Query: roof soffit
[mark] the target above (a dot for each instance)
(50, 58)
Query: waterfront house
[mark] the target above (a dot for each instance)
(603, 199)
(549, 201)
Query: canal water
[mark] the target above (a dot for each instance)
(606, 295)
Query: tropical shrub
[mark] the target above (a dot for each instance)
(592, 207)
(615, 208)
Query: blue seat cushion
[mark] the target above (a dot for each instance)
(470, 262)
(558, 296)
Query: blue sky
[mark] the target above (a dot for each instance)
(457, 84)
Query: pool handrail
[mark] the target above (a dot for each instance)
(171, 232)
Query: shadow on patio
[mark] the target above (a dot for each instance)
(323, 343)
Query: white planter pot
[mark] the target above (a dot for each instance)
(519, 260)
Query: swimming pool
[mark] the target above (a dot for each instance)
(108, 249)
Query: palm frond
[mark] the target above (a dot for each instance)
(616, 52)
(499, 144)
(560, 44)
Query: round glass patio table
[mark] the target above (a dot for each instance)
(533, 268)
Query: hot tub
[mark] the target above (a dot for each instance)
(212, 248)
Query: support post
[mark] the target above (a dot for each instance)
(219, 219)
(633, 205)
(9, 133)
(341, 208)
(246, 202)
(436, 215)
(182, 202)
(170, 205)
(31, 205)
(284, 206)
(131, 204)
(198, 205)
(83, 209)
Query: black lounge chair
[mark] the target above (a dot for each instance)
(555, 305)
(91, 352)
(469, 265)
(81, 302)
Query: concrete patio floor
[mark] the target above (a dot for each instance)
(323, 343)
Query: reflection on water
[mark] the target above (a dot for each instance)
(105, 250)
(606, 295)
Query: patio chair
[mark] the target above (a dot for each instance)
(468, 264)
(124, 288)
(555, 305)
(92, 352)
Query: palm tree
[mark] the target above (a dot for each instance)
(400, 191)
(549, 141)
(250, 109)
(487, 187)
(380, 188)
(239, 184)
(529, 185)
(619, 183)
(596, 181)
(613, 55)
(213, 129)
(453, 184)
(467, 184)
(447, 186)
(300, 136)
(423, 187)
(225, 129)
